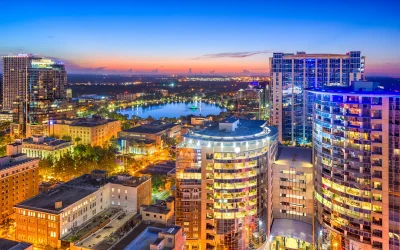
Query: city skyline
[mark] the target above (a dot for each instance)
(178, 37)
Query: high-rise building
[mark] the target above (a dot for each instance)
(356, 165)
(33, 87)
(290, 106)
(253, 100)
(19, 179)
(222, 185)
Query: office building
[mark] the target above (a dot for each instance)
(356, 163)
(94, 131)
(43, 147)
(290, 106)
(19, 179)
(222, 190)
(33, 88)
(292, 199)
(58, 215)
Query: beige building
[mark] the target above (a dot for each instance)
(19, 179)
(159, 213)
(42, 147)
(95, 132)
(48, 217)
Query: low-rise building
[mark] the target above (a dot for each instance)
(94, 132)
(161, 213)
(157, 131)
(153, 236)
(140, 146)
(48, 217)
(42, 147)
(19, 179)
(200, 120)
(169, 238)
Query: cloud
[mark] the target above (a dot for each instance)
(231, 55)
(99, 69)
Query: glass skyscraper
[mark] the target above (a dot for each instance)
(34, 88)
(291, 107)
(356, 166)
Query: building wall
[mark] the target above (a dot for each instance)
(144, 194)
(351, 150)
(292, 194)
(37, 228)
(18, 184)
(38, 151)
(156, 217)
(89, 135)
(125, 197)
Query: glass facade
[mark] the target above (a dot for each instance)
(291, 107)
(356, 152)
(221, 187)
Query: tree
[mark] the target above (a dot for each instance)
(46, 166)
(158, 182)
(78, 139)
(7, 227)
(66, 138)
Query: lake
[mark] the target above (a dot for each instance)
(172, 110)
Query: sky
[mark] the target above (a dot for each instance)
(221, 36)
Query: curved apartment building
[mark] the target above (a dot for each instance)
(222, 185)
(356, 166)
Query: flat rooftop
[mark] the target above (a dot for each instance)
(5, 161)
(130, 240)
(152, 128)
(75, 190)
(48, 141)
(157, 209)
(246, 128)
(295, 156)
(13, 245)
(45, 202)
